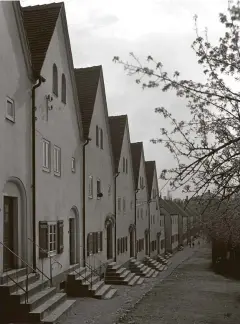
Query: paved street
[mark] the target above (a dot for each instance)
(192, 294)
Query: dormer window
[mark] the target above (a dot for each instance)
(64, 90)
(55, 80)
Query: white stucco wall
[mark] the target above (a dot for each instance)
(57, 195)
(15, 145)
(174, 229)
(125, 189)
(154, 215)
(141, 203)
(99, 166)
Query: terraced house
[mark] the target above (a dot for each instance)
(99, 170)
(125, 188)
(141, 201)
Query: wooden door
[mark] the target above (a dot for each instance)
(8, 232)
(131, 244)
(72, 241)
(109, 242)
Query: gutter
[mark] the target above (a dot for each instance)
(84, 200)
(115, 212)
(40, 80)
(135, 221)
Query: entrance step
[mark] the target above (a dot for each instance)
(140, 269)
(31, 299)
(163, 261)
(85, 282)
(154, 264)
(118, 275)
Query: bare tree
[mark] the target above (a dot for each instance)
(210, 139)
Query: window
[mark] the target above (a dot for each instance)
(64, 89)
(97, 136)
(98, 188)
(55, 80)
(101, 138)
(123, 164)
(109, 190)
(131, 205)
(153, 219)
(52, 238)
(73, 165)
(57, 160)
(90, 187)
(126, 165)
(10, 110)
(46, 155)
(124, 205)
(90, 244)
(141, 213)
(138, 213)
(119, 204)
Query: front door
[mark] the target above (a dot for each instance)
(109, 242)
(158, 245)
(72, 241)
(8, 232)
(131, 244)
(146, 244)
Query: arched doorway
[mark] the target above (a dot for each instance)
(147, 242)
(132, 239)
(109, 225)
(15, 231)
(74, 236)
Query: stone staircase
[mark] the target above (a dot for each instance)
(154, 264)
(118, 275)
(44, 304)
(163, 260)
(141, 269)
(168, 255)
(84, 282)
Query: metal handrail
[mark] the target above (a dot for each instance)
(25, 290)
(33, 270)
(46, 251)
(78, 273)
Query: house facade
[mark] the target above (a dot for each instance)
(141, 201)
(156, 236)
(15, 138)
(58, 141)
(99, 167)
(125, 188)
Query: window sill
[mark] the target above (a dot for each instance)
(90, 197)
(57, 174)
(52, 253)
(48, 170)
(10, 119)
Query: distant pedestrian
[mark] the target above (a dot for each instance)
(193, 244)
(199, 243)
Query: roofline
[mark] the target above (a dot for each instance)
(24, 40)
(101, 80)
(62, 14)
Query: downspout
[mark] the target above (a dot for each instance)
(40, 80)
(115, 212)
(84, 201)
(135, 220)
(149, 228)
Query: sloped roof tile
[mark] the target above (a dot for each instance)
(39, 23)
(136, 149)
(87, 80)
(117, 129)
(150, 167)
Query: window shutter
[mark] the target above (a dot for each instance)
(126, 243)
(96, 242)
(101, 241)
(60, 244)
(43, 240)
(137, 246)
(118, 246)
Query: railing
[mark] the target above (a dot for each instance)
(51, 258)
(97, 266)
(80, 274)
(28, 266)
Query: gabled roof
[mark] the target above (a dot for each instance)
(39, 23)
(117, 128)
(87, 80)
(181, 209)
(150, 167)
(136, 149)
(169, 206)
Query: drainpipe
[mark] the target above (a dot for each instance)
(149, 228)
(40, 80)
(135, 220)
(115, 212)
(84, 200)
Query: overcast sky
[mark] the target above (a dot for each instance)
(101, 29)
